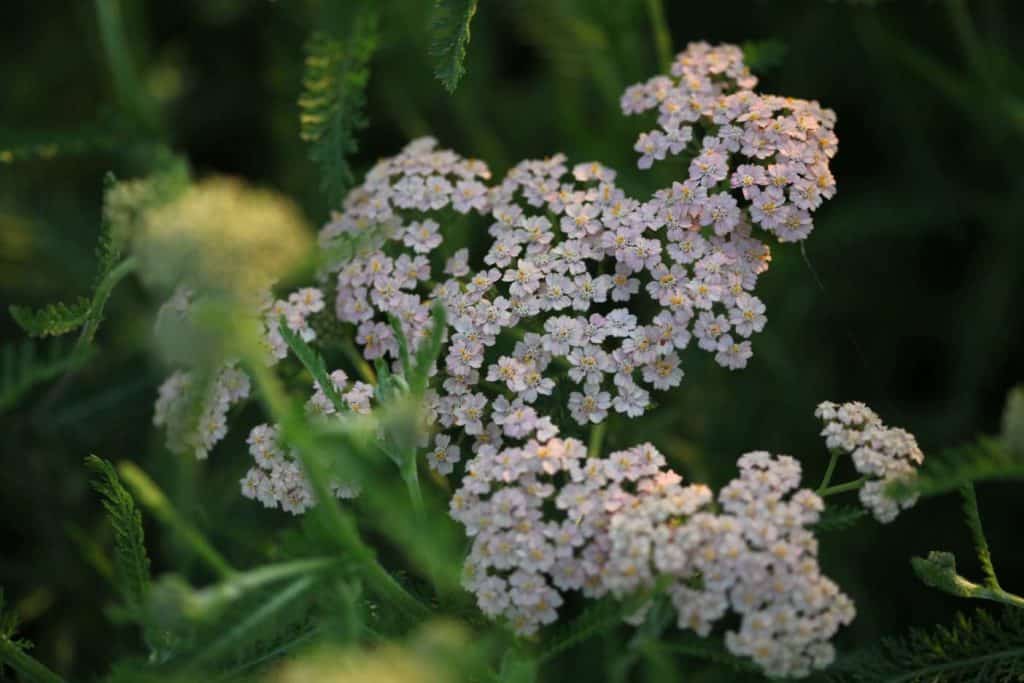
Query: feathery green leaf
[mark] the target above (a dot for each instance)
(333, 98)
(976, 648)
(52, 320)
(450, 31)
(131, 563)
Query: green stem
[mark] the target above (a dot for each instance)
(411, 477)
(356, 358)
(829, 471)
(662, 37)
(842, 488)
(92, 323)
(127, 86)
(265, 613)
(294, 431)
(29, 667)
(153, 499)
(597, 433)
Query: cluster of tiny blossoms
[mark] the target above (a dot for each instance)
(277, 478)
(173, 410)
(761, 158)
(882, 454)
(546, 520)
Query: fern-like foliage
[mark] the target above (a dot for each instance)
(986, 459)
(85, 312)
(333, 98)
(52, 320)
(131, 562)
(22, 367)
(450, 34)
(839, 518)
(980, 647)
(9, 625)
(108, 133)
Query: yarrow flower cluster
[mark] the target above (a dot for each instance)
(584, 298)
(882, 454)
(761, 158)
(546, 520)
(175, 405)
(277, 478)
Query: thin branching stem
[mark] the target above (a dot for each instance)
(824, 492)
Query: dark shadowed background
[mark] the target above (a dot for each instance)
(908, 295)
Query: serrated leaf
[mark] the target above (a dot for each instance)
(450, 32)
(131, 562)
(52, 320)
(333, 99)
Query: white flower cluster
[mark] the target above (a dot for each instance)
(615, 525)
(295, 310)
(759, 157)
(175, 410)
(880, 453)
(755, 558)
(278, 479)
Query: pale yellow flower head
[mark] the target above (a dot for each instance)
(223, 235)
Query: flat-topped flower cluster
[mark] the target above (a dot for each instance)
(574, 294)
(546, 520)
(882, 454)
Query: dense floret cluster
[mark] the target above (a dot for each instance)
(575, 295)
(881, 454)
(546, 520)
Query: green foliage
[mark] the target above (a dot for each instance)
(976, 648)
(763, 55)
(131, 562)
(9, 625)
(52, 320)
(839, 518)
(333, 99)
(22, 367)
(86, 312)
(14, 652)
(103, 135)
(987, 459)
(314, 364)
(450, 32)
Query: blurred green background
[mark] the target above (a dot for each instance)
(917, 312)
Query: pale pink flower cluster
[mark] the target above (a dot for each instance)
(546, 520)
(882, 454)
(295, 310)
(173, 410)
(277, 478)
(758, 158)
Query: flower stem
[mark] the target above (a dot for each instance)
(596, 439)
(153, 499)
(841, 488)
(662, 37)
(829, 471)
